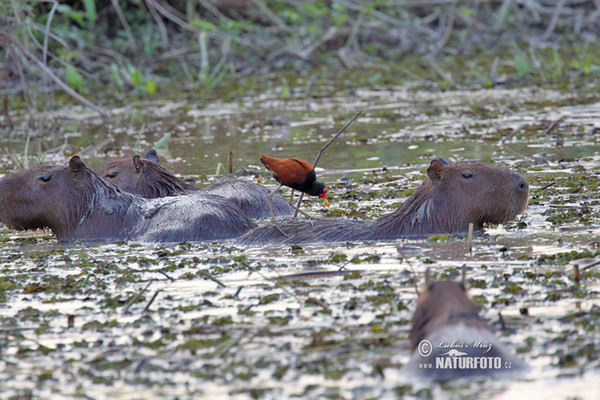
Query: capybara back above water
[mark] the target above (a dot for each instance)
(149, 179)
(449, 339)
(451, 197)
(78, 205)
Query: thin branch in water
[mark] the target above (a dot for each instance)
(137, 296)
(251, 268)
(321, 152)
(151, 301)
(212, 278)
(165, 274)
(554, 125)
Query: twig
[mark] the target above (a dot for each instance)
(46, 34)
(448, 31)
(428, 3)
(554, 20)
(212, 278)
(119, 11)
(321, 152)
(590, 266)
(165, 274)
(55, 78)
(548, 185)
(151, 300)
(214, 10)
(554, 125)
(305, 54)
(152, 6)
(270, 15)
(443, 74)
(511, 135)
(251, 268)
(501, 13)
(137, 296)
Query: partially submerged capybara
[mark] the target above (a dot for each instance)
(76, 204)
(147, 178)
(449, 338)
(451, 197)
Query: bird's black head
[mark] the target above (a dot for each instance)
(318, 189)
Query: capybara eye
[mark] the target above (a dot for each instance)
(45, 178)
(112, 174)
(466, 175)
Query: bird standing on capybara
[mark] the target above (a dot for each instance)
(449, 338)
(76, 204)
(146, 178)
(296, 174)
(451, 197)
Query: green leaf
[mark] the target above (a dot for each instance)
(90, 10)
(76, 16)
(587, 64)
(116, 76)
(136, 75)
(151, 86)
(285, 89)
(575, 63)
(74, 78)
(63, 9)
(198, 23)
(466, 11)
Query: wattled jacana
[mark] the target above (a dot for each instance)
(296, 174)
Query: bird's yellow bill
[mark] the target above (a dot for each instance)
(326, 201)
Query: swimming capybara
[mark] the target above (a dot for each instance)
(146, 178)
(449, 338)
(76, 204)
(451, 197)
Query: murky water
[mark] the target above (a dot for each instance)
(325, 321)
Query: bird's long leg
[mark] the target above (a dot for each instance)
(273, 220)
(299, 210)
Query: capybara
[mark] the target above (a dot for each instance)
(451, 197)
(76, 204)
(146, 178)
(449, 338)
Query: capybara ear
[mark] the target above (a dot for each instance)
(138, 164)
(76, 165)
(434, 172)
(152, 156)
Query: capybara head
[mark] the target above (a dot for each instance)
(45, 196)
(143, 177)
(454, 195)
(442, 303)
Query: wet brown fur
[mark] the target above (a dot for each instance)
(77, 205)
(451, 197)
(442, 303)
(448, 319)
(149, 179)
